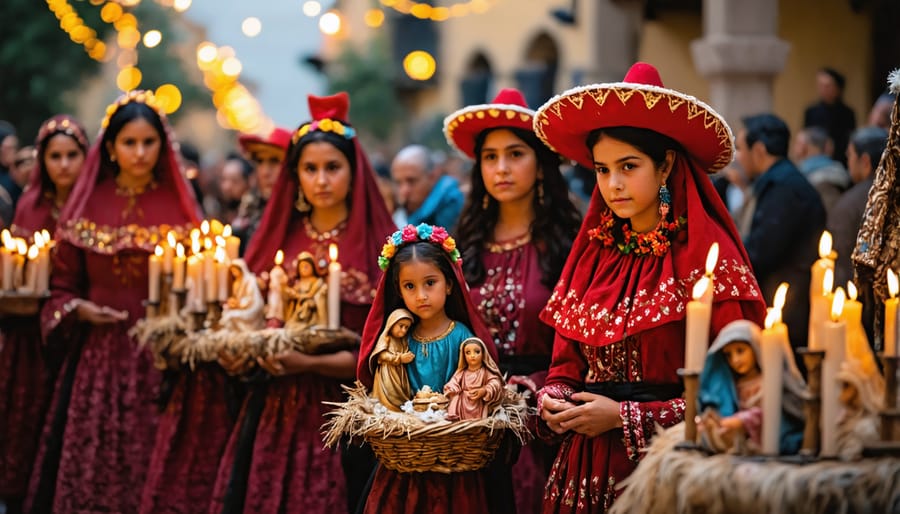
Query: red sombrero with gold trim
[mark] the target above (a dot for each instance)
(278, 137)
(507, 109)
(640, 100)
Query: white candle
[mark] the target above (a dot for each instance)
(8, 260)
(209, 275)
(169, 252)
(222, 266)
(334, 288)
(771, 363)
(31, 270)
(232, 243)
(42, 281)
(890, 315)
(195, 278)
(19, 259)
(712, 257)
(818, 311)
(178, 268)
(277, 280)
(697, 327)
(834, 339)
(825, 261)
(156, 260)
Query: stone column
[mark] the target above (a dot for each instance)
(615, 27)
(740, 54)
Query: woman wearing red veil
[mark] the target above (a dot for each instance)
(96, 445)
(619, 307)
(516, 231)
(326, 194)
(26, 378)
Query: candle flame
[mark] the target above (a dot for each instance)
(279, 257)
(827, 282)
(837, 305)
(893, 286)
(773, 316)
(159, 251)
(825, 243)
(21, 246)
(33, 252)
(220, 241)
(179, 250)
(226, 232)
(38, 240)
(220, 254)
(9, 243)
(700, 288)
(332, 252)
(780, 295)
(195, 234)
(172, 240)
(5, 236)
(711, 258)
(46, 234)
(195, 246)
(207, 243)
(204, 227)
(851, 290)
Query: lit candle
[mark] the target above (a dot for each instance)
(169, 252)
(178, 268)
(8, 261)
(156, 260)
(19, 258)
(232, 243)
(222, 265)
(209, 273)
(334, 288)
(771, 363)
(204, 228)
(277, 280)
(31, 270)
(42, 283)
(818, 310)
(697, 327)
(852, 313)
(890, 315)
(834, 339)
(195, 276)
(712, 257)
(825, 261)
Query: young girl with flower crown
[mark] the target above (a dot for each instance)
(423, 273)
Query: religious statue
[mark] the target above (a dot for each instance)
(244, 309)
(477, 386)
(389, 359)
(307, 298)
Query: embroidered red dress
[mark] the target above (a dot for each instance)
(510, 300)
(98, 437)
(26, 378)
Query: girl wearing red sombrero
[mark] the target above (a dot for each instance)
(619, 307)
(516, 231)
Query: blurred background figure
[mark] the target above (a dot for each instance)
(733, 187)
(9, 143)
(189, 160)
(880, 114)
(424, 193)
(234, 183)
(830, 112)
(811, 151)
(23, 164)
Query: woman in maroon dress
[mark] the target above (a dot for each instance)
(516, 231)
(26, 378)
(275, 460)
(619, 307)
(97, 441)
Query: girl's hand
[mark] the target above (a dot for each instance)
(407, 357)
(550, 407)
(97, 315)
(597, 415)
(286, 363)
(477, 394)
(235, 364)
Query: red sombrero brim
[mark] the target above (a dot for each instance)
(463, 126)
(564, 122)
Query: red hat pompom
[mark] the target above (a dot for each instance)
(333, 107)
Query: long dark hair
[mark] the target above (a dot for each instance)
(556, 219)
(124, 115)
(423, 251)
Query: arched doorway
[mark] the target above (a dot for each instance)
(476, 83)
(537, 77)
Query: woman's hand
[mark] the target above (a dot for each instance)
(477, 393)
(596, 415)
(97, 315)
(286, 363)
(235, 364)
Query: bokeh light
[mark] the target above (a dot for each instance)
(129, 78)
(152, 38)
(232, 67)
(181, 5)
(312, 8)
(251, 27)
(206, 52)
(330, 23)
(374, 18)
(169, 97)
(419, 65)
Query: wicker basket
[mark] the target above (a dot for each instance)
(442, 450)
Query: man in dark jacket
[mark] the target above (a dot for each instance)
(787, 221)
(831, 113)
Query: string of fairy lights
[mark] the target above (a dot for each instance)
(236, 107)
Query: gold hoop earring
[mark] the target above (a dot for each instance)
(301, 204)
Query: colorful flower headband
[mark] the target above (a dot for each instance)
(325, 125)
(64, 125)
(145, 97)
(411, 234)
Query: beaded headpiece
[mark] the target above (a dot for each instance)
(140, 96)
(421, 232)
(324, 125)
(63, 124)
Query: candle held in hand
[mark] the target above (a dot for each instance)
(334, 288)
(697, 327)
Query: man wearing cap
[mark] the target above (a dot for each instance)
(267, 154)
(424, 193)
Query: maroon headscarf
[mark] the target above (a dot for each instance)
(603, 295)
(99, 170)
(368, 220)
(376, 320)
(35, 209)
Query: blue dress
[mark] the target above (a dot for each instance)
(436, 361)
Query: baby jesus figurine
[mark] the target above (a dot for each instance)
(244, 309)
(477, 386)
(388, 361)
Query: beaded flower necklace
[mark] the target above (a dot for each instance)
(613, 233)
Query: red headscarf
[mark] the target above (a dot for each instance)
(98, 170)
(368, 221)
(376, 320)
(34, 211)
(603, 295)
